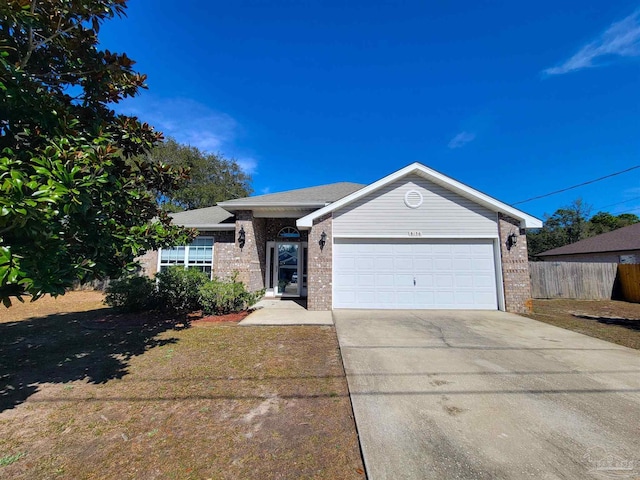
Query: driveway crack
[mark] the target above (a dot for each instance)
(441, 336)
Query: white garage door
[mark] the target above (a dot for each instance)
(414, 274)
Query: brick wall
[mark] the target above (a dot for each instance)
(223, 246)
(274, 225)
(515, 267)
(149, 263)
(319, 284)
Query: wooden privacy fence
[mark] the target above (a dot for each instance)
(629, 277)
(584, 281)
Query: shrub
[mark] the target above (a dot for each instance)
(132, 294)
(219, 297)
(178, 289)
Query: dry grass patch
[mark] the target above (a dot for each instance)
(89, 398)
(610, 320)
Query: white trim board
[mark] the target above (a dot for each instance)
(418, 237)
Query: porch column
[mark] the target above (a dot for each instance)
(319, 266)
(250, 260)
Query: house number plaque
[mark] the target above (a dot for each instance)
(415, 233)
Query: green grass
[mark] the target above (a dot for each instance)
(9, 459)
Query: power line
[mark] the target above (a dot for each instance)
(618, 203)
(626, 211)
(576, 186)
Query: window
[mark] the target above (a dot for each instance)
(289, 232)
(198, 254)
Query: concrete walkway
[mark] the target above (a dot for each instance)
(488, 395)
(284, 311)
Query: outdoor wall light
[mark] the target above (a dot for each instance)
(241, 238)
(323, 240)
(512, 240)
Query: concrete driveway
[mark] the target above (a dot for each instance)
(473, 395)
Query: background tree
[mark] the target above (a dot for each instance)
(570, 224)
(77, 197)
(212, 177)
(603, 222)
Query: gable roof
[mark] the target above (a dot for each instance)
(207, 217)
(625, 238)
(526, 220)
(311, 197)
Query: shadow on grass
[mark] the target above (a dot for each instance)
(94, 345)
(631, 324)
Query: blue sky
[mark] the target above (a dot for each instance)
(516, 99)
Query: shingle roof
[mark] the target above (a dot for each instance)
(312, 196)
(201, 216)
(626, 238)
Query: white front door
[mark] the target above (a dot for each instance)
(286, 272)
(414, 274)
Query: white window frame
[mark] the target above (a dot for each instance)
(185, 262)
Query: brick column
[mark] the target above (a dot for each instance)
(250, 260)
(515, 267)
(319, 266)
(149, 263)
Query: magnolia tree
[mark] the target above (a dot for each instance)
(77, 192)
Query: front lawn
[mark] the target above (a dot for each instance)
(85, 393)
(610, 320)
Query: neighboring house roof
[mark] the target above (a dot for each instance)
(625, 238)
(312, 197)
(208, 217)
(526, 220)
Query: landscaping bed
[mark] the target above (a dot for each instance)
(88, 393)
(610, 320)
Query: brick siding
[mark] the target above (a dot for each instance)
(250, 260)
(320, 278)
(515, 267)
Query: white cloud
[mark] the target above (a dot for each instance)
(248, 164)
(192, 123)
(621, 39)
(461, 139)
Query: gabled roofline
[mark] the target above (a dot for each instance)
(251, 206)
(526, 220)
(210, 226)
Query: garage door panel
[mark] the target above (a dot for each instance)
(423, 264)
(384, 263)
(403, 264)
(484, 282)
(365, 297)
(414, 274)
(366, 280)
(443, 281)
(424, 281)
(443, 264)
(464, 281)
(404, 281)
(464, 264)
(364, 263)
(345, 298)
(482, 264)
(387, 299)
(345, 280)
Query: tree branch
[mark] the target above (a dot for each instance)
(45, 40)
(31, 48)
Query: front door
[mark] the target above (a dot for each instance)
(286, 273)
